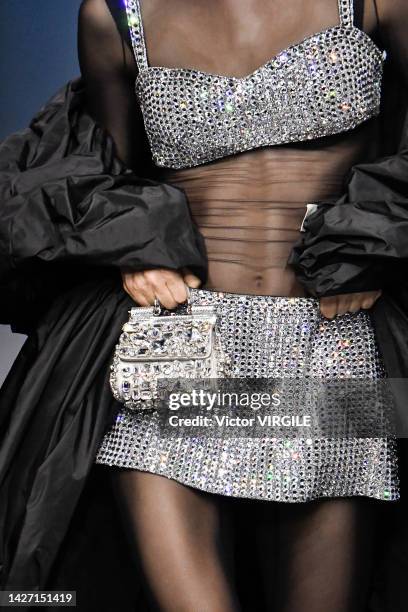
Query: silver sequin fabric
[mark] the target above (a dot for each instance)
(326, 84)
(265, 337)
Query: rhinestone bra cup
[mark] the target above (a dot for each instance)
(326, 84)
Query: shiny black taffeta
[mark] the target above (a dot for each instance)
(71, 210)
(70, 215)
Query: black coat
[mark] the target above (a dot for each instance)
(71, 214)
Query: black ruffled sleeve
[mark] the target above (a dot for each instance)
(78, 195)
(71, 209)
(360, 242)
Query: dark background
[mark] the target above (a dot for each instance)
(38, 52)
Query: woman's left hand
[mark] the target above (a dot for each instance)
(347, 302)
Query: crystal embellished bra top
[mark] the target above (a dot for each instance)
(328, 83)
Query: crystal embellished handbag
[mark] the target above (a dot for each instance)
(158, 346)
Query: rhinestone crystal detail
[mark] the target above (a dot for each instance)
(263, 337)
(152, 349)
(326, 84)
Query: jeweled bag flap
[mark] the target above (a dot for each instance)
(149, 337)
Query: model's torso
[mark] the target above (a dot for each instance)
(249, 206)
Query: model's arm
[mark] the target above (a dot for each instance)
(393, 21)
(392, 18)
(109, 70)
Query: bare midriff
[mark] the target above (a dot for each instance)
(249, 207)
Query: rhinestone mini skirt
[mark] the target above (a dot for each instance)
(267, 337)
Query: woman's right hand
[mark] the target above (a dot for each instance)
(168, 286)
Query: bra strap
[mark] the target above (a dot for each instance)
(135, 23)
(346, 12)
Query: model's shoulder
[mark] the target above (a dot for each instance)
(95, 14)
(391, 11)
(105, 17)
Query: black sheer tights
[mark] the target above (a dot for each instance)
(311, 557)
(183, 540)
